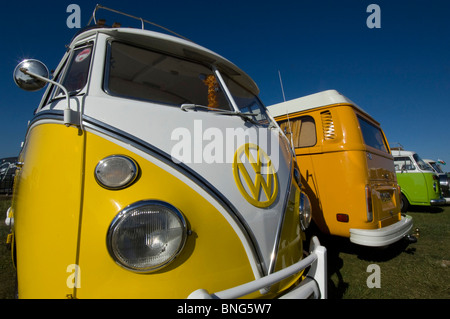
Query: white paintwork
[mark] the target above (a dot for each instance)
(402, 153)
(382, 236)
(309, 102)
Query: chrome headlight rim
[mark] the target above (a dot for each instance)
(305, 211)
(128, 210)
(133, 164)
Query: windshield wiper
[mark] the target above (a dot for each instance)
(187, 106)
(244, 116)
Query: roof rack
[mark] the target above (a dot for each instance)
(98, 6)
(397, 148)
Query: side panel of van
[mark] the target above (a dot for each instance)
(419, 188)
(46, 210)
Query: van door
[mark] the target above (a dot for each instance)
(383, 188)
(382, 183)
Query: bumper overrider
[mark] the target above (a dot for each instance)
(313, 285)
(382, 236)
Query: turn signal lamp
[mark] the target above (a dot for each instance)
(116, 172)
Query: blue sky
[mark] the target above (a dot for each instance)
(399, 73)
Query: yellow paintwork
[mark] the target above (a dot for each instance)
(335, 172)
(291, 242)
(62, 217)
(46, 209)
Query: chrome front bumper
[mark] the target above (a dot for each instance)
(382, 236)
(437, 202)
(314, 285)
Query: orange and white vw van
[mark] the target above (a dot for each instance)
(151, 169)
(346, 168)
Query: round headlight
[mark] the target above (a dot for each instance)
(146, 236)
(116, 172)
(305, 211)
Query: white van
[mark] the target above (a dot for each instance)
(444, 179)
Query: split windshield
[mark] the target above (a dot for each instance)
(142, 74)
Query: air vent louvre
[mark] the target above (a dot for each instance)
(328, 125)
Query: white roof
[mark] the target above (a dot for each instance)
(308, 102)
(401, 153)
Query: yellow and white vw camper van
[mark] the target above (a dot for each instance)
(151, 169)
(346, 168)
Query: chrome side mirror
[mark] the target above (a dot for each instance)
(30, 82)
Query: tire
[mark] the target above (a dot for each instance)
(404, 203)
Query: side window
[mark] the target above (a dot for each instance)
(246, 101)
(372, 135)
(421, 163)
(301, 130)
(403, 164)
(76, 75)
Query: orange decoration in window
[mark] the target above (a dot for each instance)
(213, 88)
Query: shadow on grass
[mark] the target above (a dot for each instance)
(339, 245)
(426, 209)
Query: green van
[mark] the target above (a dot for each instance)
(418, 181)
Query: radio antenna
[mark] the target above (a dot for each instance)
(281, 83)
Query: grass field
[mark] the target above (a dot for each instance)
(7, 271)
(419, 271)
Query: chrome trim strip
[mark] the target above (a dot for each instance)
(276, 246)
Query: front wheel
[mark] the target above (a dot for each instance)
(404, 203)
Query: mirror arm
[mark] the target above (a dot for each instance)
(69, 117)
